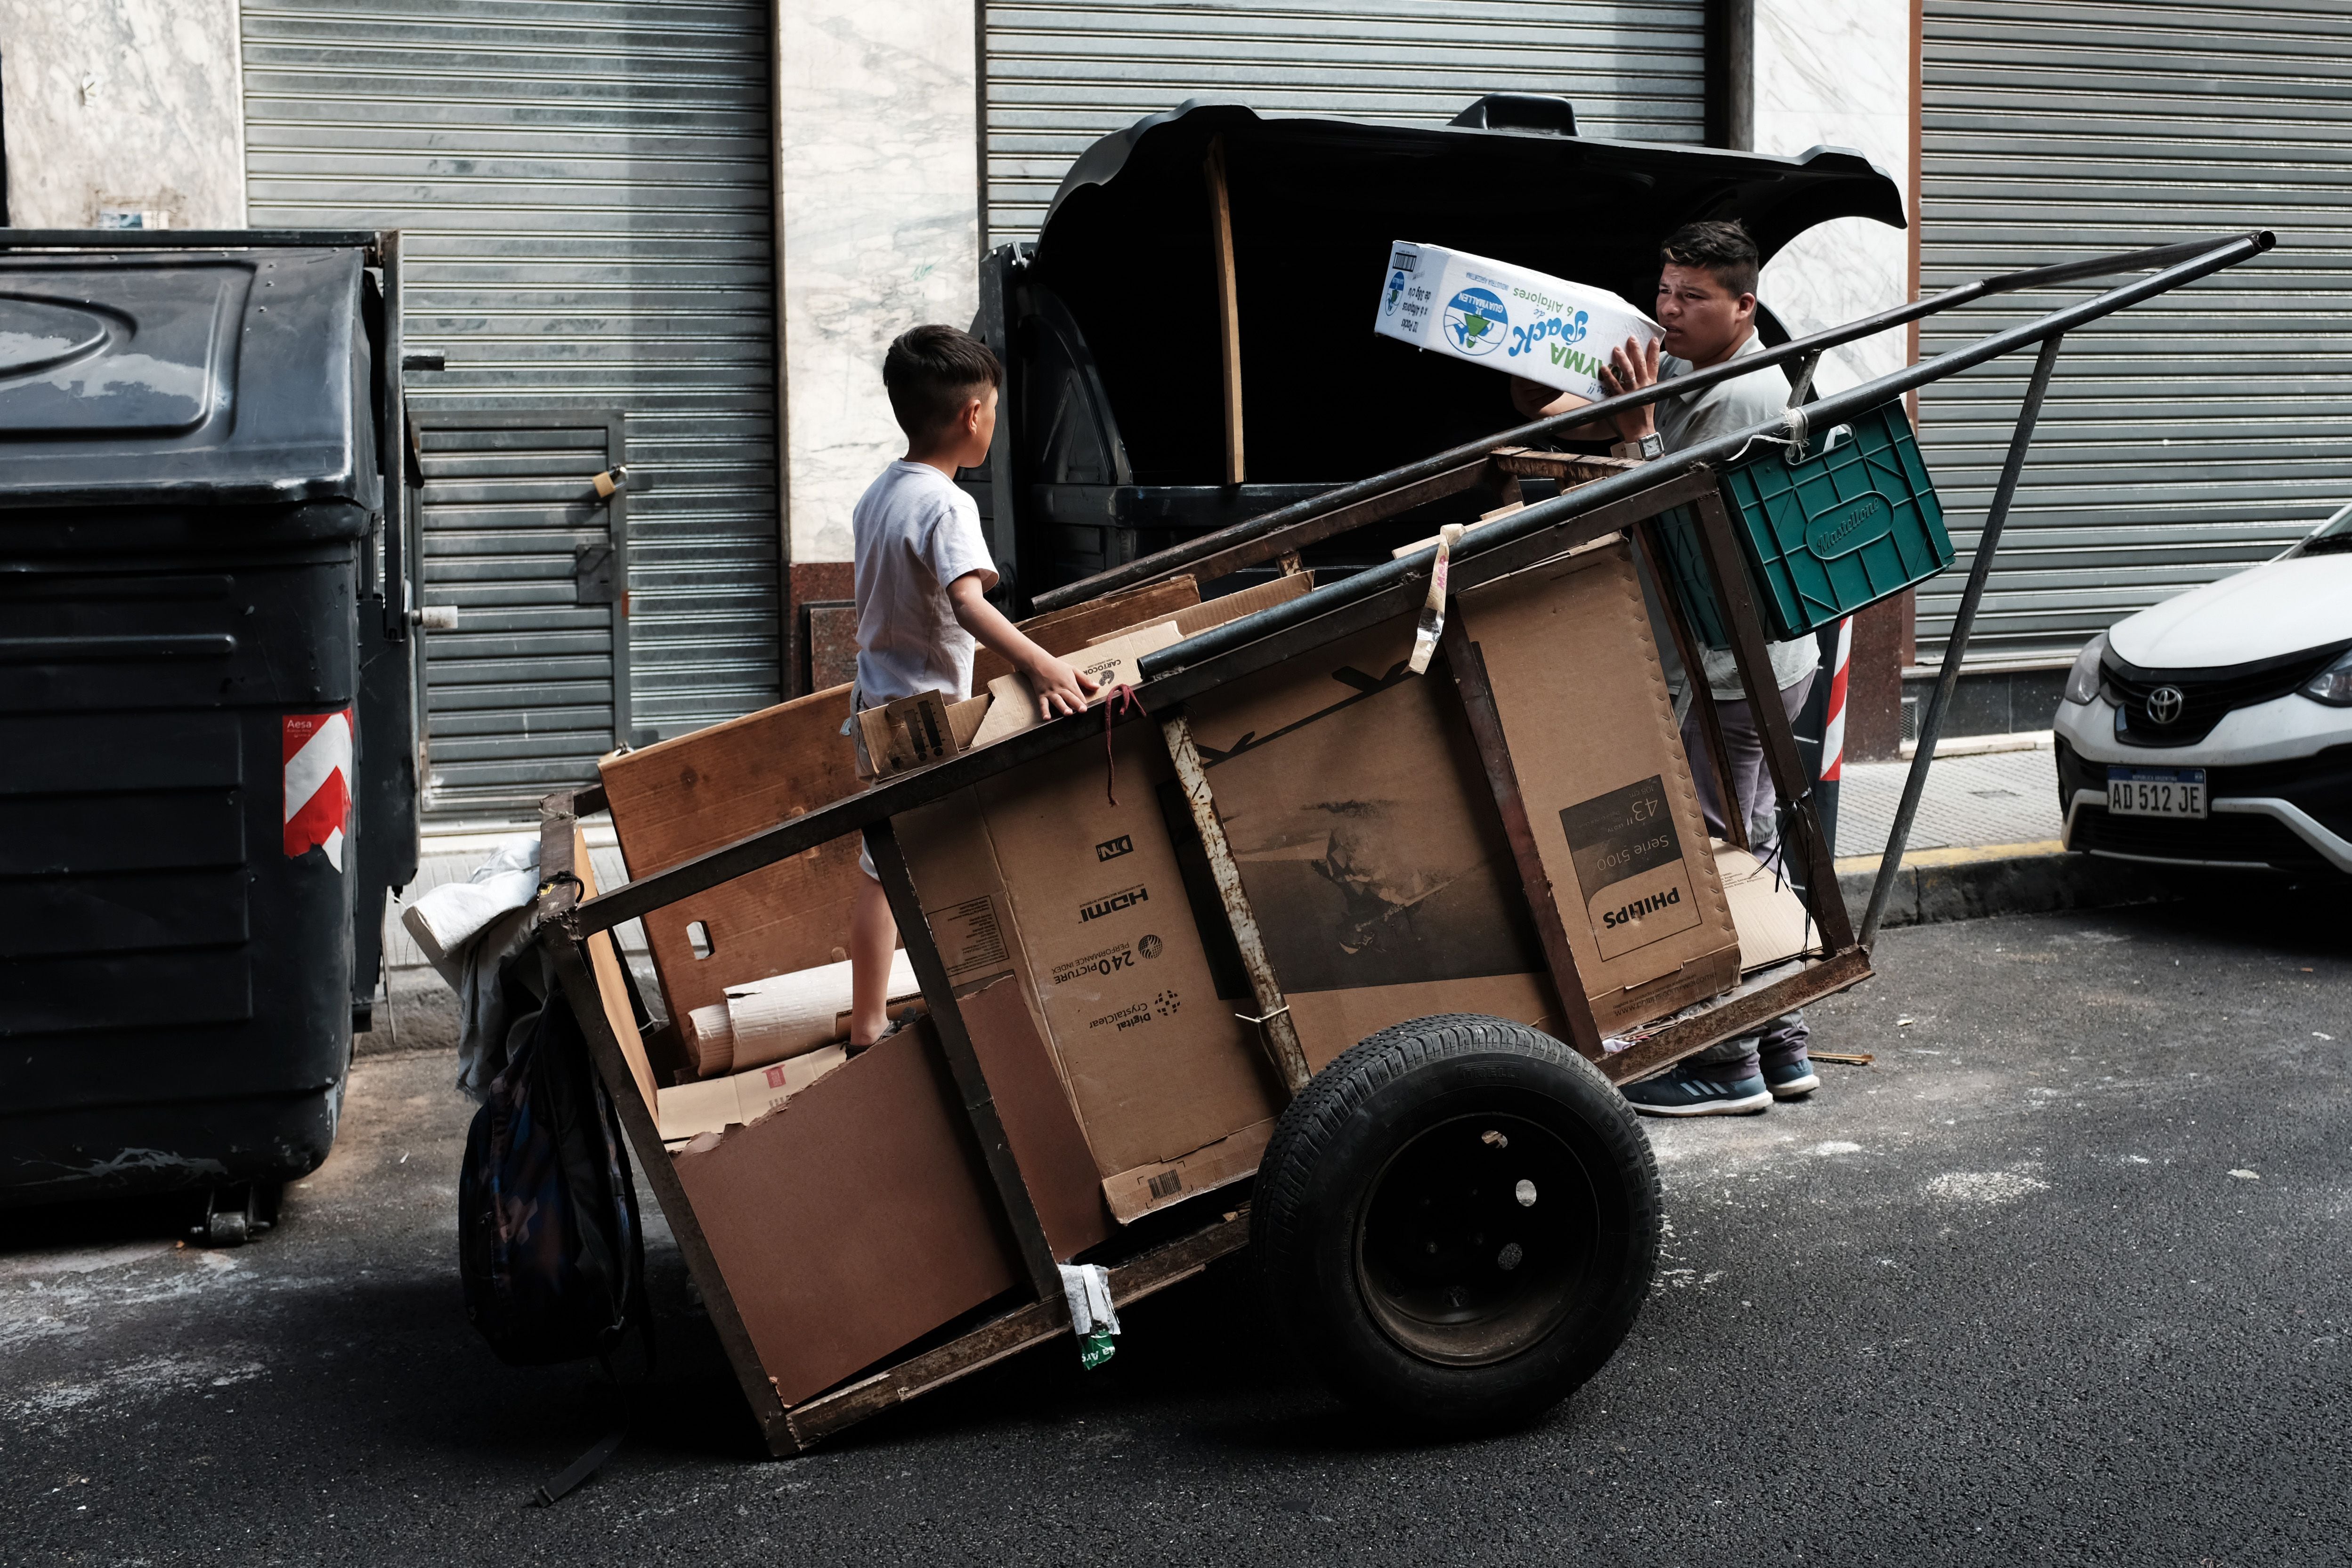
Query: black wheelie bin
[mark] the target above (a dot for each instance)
(207, 709)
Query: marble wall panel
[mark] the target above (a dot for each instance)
(877, 192)
(122, 106)
(1837, 73)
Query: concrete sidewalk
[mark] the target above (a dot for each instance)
(1986, 841)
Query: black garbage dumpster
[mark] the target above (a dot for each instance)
(207, 687)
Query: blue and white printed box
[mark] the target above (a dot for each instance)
(1513, 318)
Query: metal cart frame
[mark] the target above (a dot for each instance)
(1608, 497)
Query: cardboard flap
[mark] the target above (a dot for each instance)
(854, 1219)
(1771, 919)
(1062, 631)
(1211, 613)
(1013, 701)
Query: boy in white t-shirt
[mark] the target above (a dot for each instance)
(922, 567)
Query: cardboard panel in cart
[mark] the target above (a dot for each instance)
(1365, 832)
(1065, 873)
(856, 1217)
(1590, 726)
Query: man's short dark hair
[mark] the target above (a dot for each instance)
(1726, 250)
(931, 372)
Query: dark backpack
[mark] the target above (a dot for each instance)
(548, 1240)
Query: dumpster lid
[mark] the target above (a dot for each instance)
(1127, 247)
(1502, 180)
(183, 377)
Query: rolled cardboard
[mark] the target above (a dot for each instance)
(788, 1015)
(710, 1039)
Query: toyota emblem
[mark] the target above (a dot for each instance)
(2163, 705)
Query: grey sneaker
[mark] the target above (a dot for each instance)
(1689, 1091)
(1791, 1080)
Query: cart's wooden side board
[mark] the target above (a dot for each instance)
(1468, 667)
(1759, 1000)
(1729, 568)
(1274, 1019)
(1016, 1332)
(964, 1065)
(590, 1007)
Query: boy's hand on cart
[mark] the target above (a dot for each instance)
(1632, 366)
(1062, 687)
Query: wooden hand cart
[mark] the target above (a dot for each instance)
(1492, 1345)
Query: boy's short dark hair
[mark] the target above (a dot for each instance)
(931, 372)
(1726, 250)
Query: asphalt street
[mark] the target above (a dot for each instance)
(2066, 1276)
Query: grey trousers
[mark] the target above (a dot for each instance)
(1784, 1037)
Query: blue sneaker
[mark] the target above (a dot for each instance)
(1689, 1091)
(1791, 1080)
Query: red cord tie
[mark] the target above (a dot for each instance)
(1120, 693)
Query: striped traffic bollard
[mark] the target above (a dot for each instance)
(1825, 793)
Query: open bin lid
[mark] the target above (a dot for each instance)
(1316, 204)
(207, 378)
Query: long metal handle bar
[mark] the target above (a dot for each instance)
(1177, 556)
(1240, 647)
(1914, 783)
(1790, 426)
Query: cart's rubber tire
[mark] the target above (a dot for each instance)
(1457, 1222)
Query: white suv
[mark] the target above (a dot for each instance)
(2216, 729)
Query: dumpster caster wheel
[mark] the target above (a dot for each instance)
(1456, 1221)
(235, 1214)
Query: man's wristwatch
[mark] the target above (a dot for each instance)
(1643, 449)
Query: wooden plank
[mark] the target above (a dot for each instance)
(1469, 670)
(591, 1006)
(1687, 647)
(1729, 569)
(1017, 1331)
(1229, 320)
(1312, 530)
(1070, 630)
(1759, 998)
(1567, 467)
(963, 1064)
(1282, 1041)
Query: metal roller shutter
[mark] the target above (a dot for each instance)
(1061, 73)
(2190, 436)
(584, 193)
(533, 685)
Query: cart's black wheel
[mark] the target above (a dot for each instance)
(1456, 1221)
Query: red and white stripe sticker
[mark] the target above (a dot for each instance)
(1834, 726)
(318, 783)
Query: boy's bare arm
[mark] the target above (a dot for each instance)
(1061, 688)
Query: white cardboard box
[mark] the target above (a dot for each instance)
(1512, 318)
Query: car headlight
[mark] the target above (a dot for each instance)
(2083, 680)
(2332, 685)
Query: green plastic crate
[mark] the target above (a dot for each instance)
(1825, 536)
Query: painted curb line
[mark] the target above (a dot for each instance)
(1935, 885)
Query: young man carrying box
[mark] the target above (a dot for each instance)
(1707, 303)
(922, 570)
